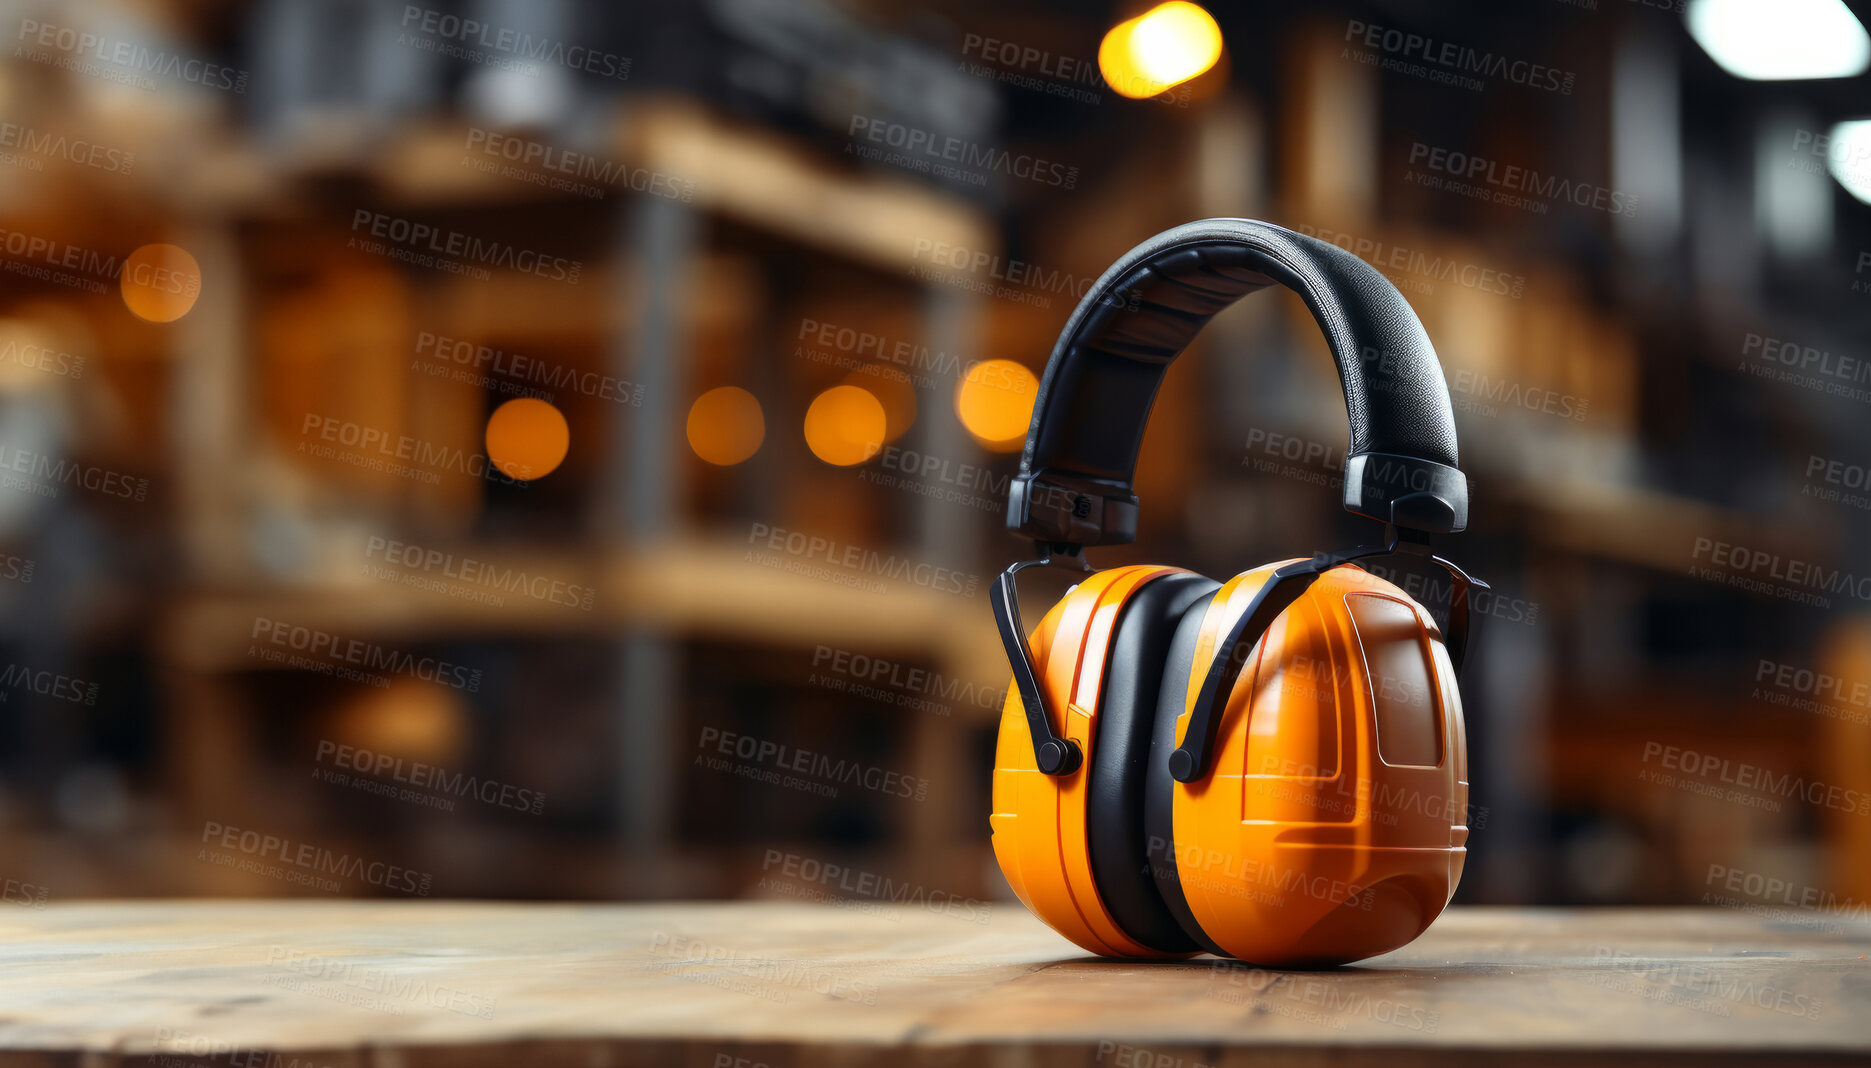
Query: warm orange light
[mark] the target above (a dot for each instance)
(527, 438)
(160, 283)
(894, 390)
(845, 425)
(726, 426)
(995, 403)
(409, 718)
(1159, 49)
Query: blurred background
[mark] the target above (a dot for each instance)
(527, 449)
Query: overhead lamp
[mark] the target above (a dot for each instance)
(1159, 49)
(1780, 40)
(1848, 157)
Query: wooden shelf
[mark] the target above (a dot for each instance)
(704, 587)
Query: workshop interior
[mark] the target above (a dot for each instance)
(528, 450)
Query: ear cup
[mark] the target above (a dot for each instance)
(1331, 825)
(1041, 823)
(1127, 712)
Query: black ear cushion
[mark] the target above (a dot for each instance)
(1159, 825)
(1127, 707)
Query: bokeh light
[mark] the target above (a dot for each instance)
(160, 283)
(726, 426)
(527, 438)
(412, 719)
(845, 425)
(894, 390)
(1776, 40)
(1159, 49)
(995, 403)
(1849, 157)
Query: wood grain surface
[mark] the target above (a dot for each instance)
(301, 983)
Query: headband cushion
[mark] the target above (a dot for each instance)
(1075, 480)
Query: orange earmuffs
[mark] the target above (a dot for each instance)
(1271, 768)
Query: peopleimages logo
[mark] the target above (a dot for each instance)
(1020, 273)
(48, 684)
(1476, 392)
(850, 349)
(947, 156)
(839, 879)
(825, 769)
(40, 475)
(38, 250)
(1792, 363)
(470, 359)
(125, 58)
(1810, 683)
(908, 679)
(308, 859)
(1221, 869)
(1761, 570)
(1807, 358)
(926, 465)
(1454, 60)
(1690, 986)
(334, 654)
(557, 168)
(1033, 68)
(430, 777)
(40, 358)
(1511, 183)
(1431, 267)
(861, 561)
(392, 987)
(421, 243)
(1025, 57)
(1777, 891)
(1719, 769)
(754, 974)
(1838, 481)
(84, 153)
(482, 573)
(184, 1049)
(378, 449)
(442, 26)
(1044, 71)
(1850, 155)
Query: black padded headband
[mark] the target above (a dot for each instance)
(1074, 485)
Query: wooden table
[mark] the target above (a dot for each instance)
(342, 983)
